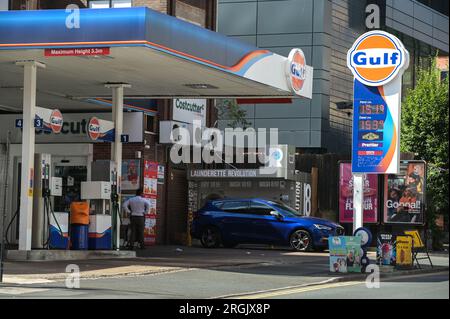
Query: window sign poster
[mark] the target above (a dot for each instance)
(131, 172)
(160, 174)
(150, 192)
(150, 224)
(150, 178)
(404, 200)
(370, 205)
(345, 254)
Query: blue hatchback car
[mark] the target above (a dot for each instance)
(230, 222)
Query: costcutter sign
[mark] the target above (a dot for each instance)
(377, 60)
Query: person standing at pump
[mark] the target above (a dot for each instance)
(137, 207)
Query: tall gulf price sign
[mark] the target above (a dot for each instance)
(377, 60)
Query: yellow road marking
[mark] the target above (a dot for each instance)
(299, 290)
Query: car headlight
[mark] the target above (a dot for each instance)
(322, 227)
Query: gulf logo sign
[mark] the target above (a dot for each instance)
(56, 121)
(296, 69)
(94, 128)
(376, 58)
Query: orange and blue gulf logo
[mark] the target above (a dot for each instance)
(376, 58)
(56, 121)
(94, 128)
(296, 69)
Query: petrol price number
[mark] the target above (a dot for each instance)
(371, 125)
(371, 109)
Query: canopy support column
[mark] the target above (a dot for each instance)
(116, 147)
(358, 200)
(28, 139)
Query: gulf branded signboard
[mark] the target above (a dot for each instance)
(100, 130)
(377, 60)
(52, 119)
(296, 70)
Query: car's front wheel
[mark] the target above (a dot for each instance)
(210, 237)
(301, 240)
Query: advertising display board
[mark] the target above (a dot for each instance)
(100, 130)
(345, 254)
(386, 252)
(404, 251)
(151, 193)
(377, 60)
(404, 194)
(417, 240)
(370, 202)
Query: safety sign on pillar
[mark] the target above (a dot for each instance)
(377, 60)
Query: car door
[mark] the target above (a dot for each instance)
(264, 227)
(234, 221)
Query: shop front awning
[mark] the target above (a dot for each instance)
(158, 55)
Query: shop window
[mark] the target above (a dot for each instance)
(102, 4)
(150, 124)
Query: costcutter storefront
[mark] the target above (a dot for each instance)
(64, 60)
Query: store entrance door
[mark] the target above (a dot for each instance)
(72, 172)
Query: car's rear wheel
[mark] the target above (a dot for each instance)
(301, 240)
(210, 237)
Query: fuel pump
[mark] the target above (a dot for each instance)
(49, 229)
(115, 210)
(102, 193)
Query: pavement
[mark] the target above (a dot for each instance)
(166, 271)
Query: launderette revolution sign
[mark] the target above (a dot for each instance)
(377, 60)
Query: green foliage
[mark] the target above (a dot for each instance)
(230, 110)
(424, 131)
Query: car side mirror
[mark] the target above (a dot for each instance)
(276, 214)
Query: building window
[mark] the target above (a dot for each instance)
(199, 12)
(102, 4)
(4, 5)
(150, 124)
(439, 6)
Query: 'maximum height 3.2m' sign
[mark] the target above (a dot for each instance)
(377, 60)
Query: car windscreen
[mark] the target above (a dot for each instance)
(285, 210)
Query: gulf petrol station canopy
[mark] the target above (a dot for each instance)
(158, 55)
